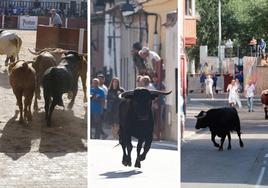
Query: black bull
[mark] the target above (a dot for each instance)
(136, 119)
(221, 122)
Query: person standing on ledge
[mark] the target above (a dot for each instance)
(55, 19)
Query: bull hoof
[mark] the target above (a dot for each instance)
(137, 164)
(216, 145)
(129, 163)
(141, 157)
(220, 149)
(229, 148)
(125, 163)
(241, 144)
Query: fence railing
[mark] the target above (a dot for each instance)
(32, 8)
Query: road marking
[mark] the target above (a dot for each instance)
(263, 169)
(217, 99)
(166, 144)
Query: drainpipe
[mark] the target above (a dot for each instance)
(155, 38)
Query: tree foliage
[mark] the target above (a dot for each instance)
(241, 20)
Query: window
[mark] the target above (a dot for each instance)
(188, 8)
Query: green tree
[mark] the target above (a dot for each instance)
(241, 20)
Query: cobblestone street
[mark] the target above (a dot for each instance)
(35, 155)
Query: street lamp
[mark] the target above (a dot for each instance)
(229, 47)
(219, 44)
(127, 8)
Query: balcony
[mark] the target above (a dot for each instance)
(189, 31)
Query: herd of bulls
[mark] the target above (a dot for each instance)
(56, 69)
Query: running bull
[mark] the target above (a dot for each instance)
(221, 122)
(136, 119)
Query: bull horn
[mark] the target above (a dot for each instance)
(157, 92)
(126, 93)
(264, 92)
(203, 115)
(34, 53)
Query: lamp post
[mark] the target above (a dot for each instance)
(229, 46)
(219, 42)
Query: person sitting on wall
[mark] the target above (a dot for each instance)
(55, 19)
(151, 58)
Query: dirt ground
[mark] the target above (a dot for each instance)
(35, 155)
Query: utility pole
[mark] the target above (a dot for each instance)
(219, 44)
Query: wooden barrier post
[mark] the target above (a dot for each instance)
(66, 22)
(81, 40)
(3, 21)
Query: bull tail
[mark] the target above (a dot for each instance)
(238, 130)
(19, 43)
(116, 145)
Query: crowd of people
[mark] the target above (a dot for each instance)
(234, 89)
(39, 10)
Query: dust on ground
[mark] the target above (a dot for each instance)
(37, 155)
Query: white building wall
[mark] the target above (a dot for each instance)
(112, 53)
(171, 66)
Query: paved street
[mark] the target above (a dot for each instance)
(160, 169)
(203, 166)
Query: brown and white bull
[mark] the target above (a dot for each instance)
(264, 101)
(10, 44)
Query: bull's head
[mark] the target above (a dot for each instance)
(201, 123)
(141, 100)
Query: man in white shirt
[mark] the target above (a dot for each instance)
(55, 19)
(249, 93)
(151, 58)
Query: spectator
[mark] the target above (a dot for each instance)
(55, 19)
(113, 105)
(264, 60)
(139, 81)
(215, 78)
(232, 89)
(202, 82)
(105, 90)
(249, 94)
(206, 69)
(209, 84)
(147, 82)
(162, 101)
(262, 47)
(239, 90)
(96, 106)
(151, 58)
(137, 59)
(240, 77)
(253, 44)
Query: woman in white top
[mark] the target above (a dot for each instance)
(209, 84)
(232, 89)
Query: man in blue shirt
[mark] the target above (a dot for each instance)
(96, 106)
